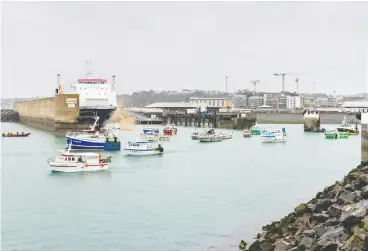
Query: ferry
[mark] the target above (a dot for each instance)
(170, 129)
(209, 136)
(274, 136)
(348, 127)
(141, 148)
(247, 133)
(97, 97)
(257, 130)
(335, 134)
(78, 162)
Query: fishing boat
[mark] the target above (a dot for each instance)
(78, 162)
(150, 134)
(170, 129)
(335, 134)
(86, 140)
(274, 136)
(226, 135)
(209, 136)
(348, 127)
(195, 134)
(163, 137)
(10, 134)
(247, 133)
(141, 147)
(257, 130)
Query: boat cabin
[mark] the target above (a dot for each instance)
(89, 158)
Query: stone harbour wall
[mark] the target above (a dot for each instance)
(335, 220)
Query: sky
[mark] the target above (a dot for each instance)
(185, 45)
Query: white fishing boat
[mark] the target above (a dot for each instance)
(226, 135)
(274, 136)
(78, 162)
(143, 147)
(348, 126)
(209, 136)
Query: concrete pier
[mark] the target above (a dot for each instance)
(364, 135)
(58, 114)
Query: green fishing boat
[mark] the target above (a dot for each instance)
(257, 130)
(335, 134)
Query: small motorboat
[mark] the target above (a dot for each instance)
(257, 130)
(142, 147)
(210, 136)
(247, 133)
(170, 129)
(274, 136)
(335, 134)
(226, 135)
(78, 162)
(10, 134)
(195, 135)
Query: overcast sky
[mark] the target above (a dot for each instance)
(193, 45)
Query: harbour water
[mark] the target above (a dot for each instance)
(196, 196)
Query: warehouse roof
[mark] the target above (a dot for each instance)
(171, 105)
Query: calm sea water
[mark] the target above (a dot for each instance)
(194, 197)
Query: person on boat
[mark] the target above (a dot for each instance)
(17, 134)
(3, 134)
(80, 159)
(22, 133)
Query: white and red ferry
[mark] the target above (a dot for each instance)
(170, 129)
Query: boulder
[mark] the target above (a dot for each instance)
(332, 222)
(365, 192)
(309, 233)
(320, 217)
(335, 210)
(322, 205)
(306, 242)
(301, 209)
(333, 234)
(353, 214)
(320, 229)
(281, 245)
(346, 197)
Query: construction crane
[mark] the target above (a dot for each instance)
(283, 78)
(297, 84)
(255, 82)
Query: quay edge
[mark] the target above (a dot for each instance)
(57, 114)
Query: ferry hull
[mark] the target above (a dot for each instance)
(104, 114)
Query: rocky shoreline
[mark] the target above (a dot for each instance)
(335, 220)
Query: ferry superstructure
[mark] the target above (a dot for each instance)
(97, 97)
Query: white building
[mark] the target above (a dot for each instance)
(293, 102)
(213, 102)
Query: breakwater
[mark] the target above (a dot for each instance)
(58, 114)
(8, 115)
(335, 220)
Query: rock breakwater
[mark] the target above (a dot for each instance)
(335, 220)
(8, 115)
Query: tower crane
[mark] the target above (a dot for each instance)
(283, 79)
(255, 82)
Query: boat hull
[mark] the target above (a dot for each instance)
(16, 135)
(247, 135)
(78, 167)
(85, 144)
(131, 152)
(210, 139)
